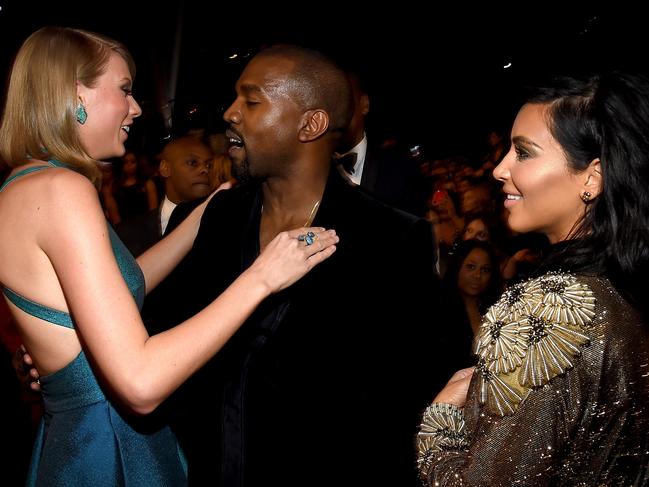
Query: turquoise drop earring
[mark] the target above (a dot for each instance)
(81, 114)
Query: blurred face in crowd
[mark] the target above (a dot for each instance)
(476, 229)
(476, 199)
(186, 165)
(475, 273)
(442, 204)
(129, 164)
(354, 133)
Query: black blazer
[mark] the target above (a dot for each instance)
(143, 231)
(324, 384)
(140, 232)
(394, 178)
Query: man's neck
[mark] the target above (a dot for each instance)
(290, 203)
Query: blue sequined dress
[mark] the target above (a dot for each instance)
(83, 440)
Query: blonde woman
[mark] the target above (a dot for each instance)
(75, 291)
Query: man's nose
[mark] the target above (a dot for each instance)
(232, 114)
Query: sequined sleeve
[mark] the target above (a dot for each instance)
(442, 429)
(560, 395)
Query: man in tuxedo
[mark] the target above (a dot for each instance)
(324, 384)
(185, 165)
(387, 172)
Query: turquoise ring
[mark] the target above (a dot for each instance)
(309, 238)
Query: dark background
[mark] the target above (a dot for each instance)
(435, 75)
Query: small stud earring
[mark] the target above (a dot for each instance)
(586, 196)
(81, 114)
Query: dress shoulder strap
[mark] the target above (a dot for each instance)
(30, 307)
(29, 170)
(38, 310)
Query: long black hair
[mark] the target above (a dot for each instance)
(606, 117)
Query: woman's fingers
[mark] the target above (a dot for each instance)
(321, 241)
(25, 370)
(314, 240)
(293, 253)
(304, 230)
(456, 388)
(461, 374)
(318, 257)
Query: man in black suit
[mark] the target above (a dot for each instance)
(185, 165)
(324, 384)
(385, 171)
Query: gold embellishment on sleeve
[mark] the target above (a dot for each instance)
(516, 300)
(502, 342)
(497, 391)
(532, 334)
(563, 300)
(552, 350)
(442, 428)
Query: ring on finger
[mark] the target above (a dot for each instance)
(308, 238)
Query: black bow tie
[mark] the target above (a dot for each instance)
(348, 161)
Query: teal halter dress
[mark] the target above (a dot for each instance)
(83, 439)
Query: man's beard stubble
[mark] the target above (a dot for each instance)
(242, 171)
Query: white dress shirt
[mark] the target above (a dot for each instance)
(165, 212)
(360, 149)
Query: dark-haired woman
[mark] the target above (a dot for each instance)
(560, 395)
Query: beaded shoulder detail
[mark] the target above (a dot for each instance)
(534, 333)
(442, 428)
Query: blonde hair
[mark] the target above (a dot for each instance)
(222, 165)
(221, 170)
(39, 118)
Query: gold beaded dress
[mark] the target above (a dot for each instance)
(560, 395)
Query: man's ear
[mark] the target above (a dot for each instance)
(594, 182)
(165, 168)
(314, 124)
(365, 104)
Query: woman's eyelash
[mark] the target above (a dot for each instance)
(521, 153)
